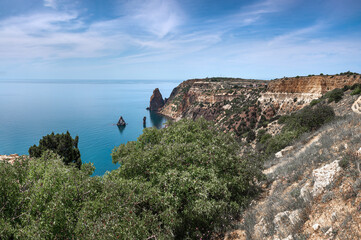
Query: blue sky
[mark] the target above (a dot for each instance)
(177, 39)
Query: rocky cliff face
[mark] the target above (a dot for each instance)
(291, 94)
(241, 104)
(231, 103)
(156, 100)
(312, 84)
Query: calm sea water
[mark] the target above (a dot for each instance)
(89, 109)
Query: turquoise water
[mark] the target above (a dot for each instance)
(89, 109)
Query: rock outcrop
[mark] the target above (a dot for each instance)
(156, 100)
(121, 122)
(312, 84)
(9, 158)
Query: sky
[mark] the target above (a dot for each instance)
(178, 39)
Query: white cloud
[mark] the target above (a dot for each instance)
(50, 3)
(159, 17)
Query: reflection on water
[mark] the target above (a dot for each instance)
(121, 129)
(157, 119)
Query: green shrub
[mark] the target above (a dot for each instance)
(356, 85)
(62, 144)
(260, 133)
(307, 119)
(41, 197)
(265, 138)
(315, 102)
(334, 95)
(345, 88)
(280, 141)
(251, 136)
(344, 163)
(282, 119)
(356, 91)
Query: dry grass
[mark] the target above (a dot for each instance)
(334, 140)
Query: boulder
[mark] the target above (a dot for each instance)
(286, 222)
(156, 100)
(324, 176)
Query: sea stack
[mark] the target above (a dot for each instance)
(121, 122)
(156, 100)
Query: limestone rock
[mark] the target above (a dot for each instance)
(9, 158)
(279, 154)
(156, 100)
(359, 152)
(311, 84)
(316, 226)
(324, 176)
(286, 221)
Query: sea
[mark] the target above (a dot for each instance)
(90, 109)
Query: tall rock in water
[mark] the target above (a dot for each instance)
(156, 100)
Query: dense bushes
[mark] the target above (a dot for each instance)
(195, 173)
(185, 181)
(307, 119)
(356, 91)
(62, 144)
(40, 198)
(334, 95)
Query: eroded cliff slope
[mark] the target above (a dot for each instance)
(239, 105)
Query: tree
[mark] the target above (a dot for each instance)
(195, 180)
(62, 144)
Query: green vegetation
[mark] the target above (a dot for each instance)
(348, 73)
(334, 95)
(315, 102)
(186, 181)
(62, 144)
(305, 120)
(356, 91)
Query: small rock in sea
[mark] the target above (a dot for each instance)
(121, 122)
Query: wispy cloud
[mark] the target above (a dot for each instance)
(303, 34)
(50, 36)
(50, 3)
(159, 17)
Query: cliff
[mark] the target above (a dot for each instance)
(241, 104)
(312, 84)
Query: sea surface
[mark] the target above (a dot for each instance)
(32, 109)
